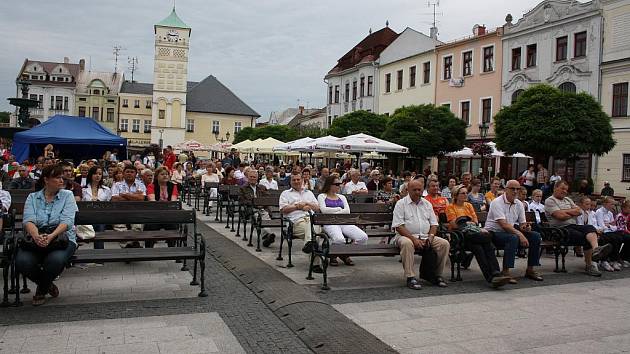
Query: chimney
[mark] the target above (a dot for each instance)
(301, 109)
(82, 64)
(479, 30)
(66, 60)
(433, 32)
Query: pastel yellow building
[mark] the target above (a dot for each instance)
(97, 97)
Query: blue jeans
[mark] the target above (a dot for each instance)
(42, 267)
(509, 242)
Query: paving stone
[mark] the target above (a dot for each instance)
(192, 346)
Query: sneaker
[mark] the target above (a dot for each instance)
(499, 281)
(606, 266)
(617, 266)
(592, 270)
(601, 252)
(626, 264)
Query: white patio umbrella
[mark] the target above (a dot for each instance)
(495, 152)
(265, 146)
(245, 144)
(191, 145)
(373, 156)
(521, 156)
(312, 144)
(220, 147)
(463, 153)
(360, 143)
(287, 146)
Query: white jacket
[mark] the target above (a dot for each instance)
(321, 199)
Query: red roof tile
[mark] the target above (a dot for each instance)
(369, 49)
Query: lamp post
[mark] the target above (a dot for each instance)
(483, 133)
(221, 140)
(161, 141)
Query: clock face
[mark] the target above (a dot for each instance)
(172, 36)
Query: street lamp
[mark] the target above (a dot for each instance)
(161, 141)
(483, 133)
(221, 140)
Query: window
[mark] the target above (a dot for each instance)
(32, 97)
(237, 127)
(362, 86)
(448, 66)
(447, 105)
(65, 103)
(96, 92)
(136, 103)
(58, 103)
(567, 87)
(399, 80)
(561, 48)
(467, 63)
(135, 125)
(336, 93)
(486, 110)
(329, 121)
(110, 115)
(347, 92)
(426, 76)
(516, 95)
(40, 104)
(330, 94)
(148, 104)
(412, 76)
(147, 126)
(95, 113)
(488, 59)
(626, 168)
(52, 102)
(620, 101)
(190, 125)
(465, 112)
(579, 46)
(111, 101)
(531, 55)
(81, 111)
(215, 127)
(124, 125)
(354, 90)
(161, 114)
(125, 103)
(370, 91)
(388, 82)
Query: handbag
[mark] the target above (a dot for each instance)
(85, 232)
(59, 243)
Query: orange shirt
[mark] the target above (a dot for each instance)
(454, 211)
(490, 197)
(439, 204)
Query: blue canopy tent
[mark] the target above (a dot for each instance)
(65, 133)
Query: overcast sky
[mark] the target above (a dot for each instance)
(271, 53)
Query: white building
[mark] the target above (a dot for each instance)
(52, 84)
(353, 83)
(557, 43)
(406, 70)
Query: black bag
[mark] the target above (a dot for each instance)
(59, 243)
(429, 264)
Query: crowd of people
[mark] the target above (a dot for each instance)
(418, 200)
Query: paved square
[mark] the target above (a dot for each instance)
(191, 333)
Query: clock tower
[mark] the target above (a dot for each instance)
(170, 76)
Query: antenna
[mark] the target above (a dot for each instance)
(133, 65)
(116, 52)
(434, 4)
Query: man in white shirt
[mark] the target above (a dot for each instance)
(506, 220)
(129, 189)
(415, 224)
(5, 204)
(297, 204)
(268, 181)
(355, 186)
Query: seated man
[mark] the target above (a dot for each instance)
(24, 181)
(415, 224)
(297, 204)
(355, 186)
(506, 220)
(248, 193)
(268, 180)
(561, 211)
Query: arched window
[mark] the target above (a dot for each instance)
(567, 87)
(516, 94)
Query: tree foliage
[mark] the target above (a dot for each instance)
(4, 117)
(280, 132)
(358, 122)
(243, 134)
(545, 121)
(426, 130)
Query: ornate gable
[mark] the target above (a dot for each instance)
(550, 11)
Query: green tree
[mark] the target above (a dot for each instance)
(244, 134)
(426, 130)
(358, 122)
(311, 131)
(545, 121)
(4, 117)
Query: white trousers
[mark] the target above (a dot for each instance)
(337, 233)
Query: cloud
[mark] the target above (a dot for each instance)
(270, 53)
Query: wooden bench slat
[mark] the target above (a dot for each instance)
(363, 250)
(123, 236)
(91, 217)
(135, 254)
(352, 219)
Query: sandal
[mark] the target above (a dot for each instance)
(53, 291)
(347, 261)
(413, 284)
(39, 300)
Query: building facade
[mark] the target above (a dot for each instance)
(53, 85)
(97, 97)
(173, 109)
(614, 167)
(352, 84)
(407, 72)
(557, 43)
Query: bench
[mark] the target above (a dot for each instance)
(207, 196)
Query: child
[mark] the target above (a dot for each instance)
(607, 229)
(622, 222)
(536, 206)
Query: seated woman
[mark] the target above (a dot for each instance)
(387, 194)
(178, 173)
(307, 180)
(332, 202)
(96, 191)
(475, 197)
(210, 177)
(229, 178)
(48, 215)
(462, 217)
(161, 190)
